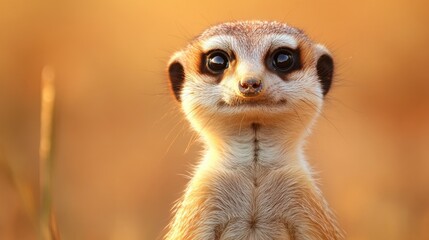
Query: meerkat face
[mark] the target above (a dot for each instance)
(251, 71)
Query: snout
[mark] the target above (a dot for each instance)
(250, 87)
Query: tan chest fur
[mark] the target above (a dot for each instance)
(251, 195)
(255, 205)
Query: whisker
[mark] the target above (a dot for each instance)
(193, 138)
(172, 142)
(314, 107)
(299, 117)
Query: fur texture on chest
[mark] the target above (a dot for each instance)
(257, 190)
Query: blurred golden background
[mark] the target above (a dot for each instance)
(119, 137)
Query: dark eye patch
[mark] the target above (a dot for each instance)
(215, 62)
(283, 61)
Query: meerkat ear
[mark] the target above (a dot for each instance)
(325, 68)
(176, 74)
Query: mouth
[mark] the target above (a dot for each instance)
(253, 103)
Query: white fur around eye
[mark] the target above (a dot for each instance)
(223, 42)
(282, 40)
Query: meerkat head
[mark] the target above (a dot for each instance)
(251, 72)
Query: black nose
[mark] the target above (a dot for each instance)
(250, 87)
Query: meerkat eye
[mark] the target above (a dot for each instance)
(283, 60)
(217, 61)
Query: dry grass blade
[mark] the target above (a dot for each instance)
(48, 227)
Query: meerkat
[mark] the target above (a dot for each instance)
(252, 90)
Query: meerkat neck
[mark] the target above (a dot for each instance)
(254, 143)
